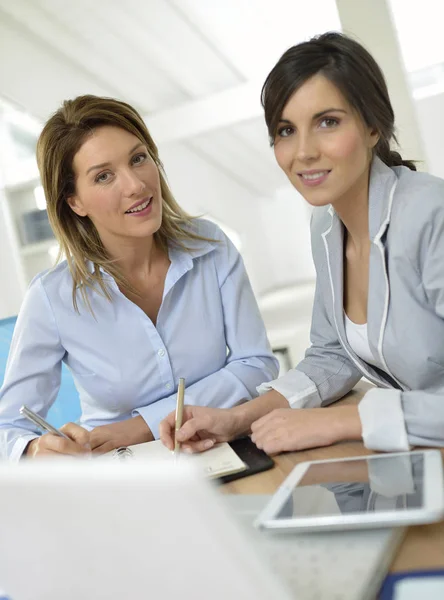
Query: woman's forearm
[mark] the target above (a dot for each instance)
(345, 423)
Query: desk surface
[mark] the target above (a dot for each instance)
(423, 546)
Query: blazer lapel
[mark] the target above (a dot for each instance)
(383, 181)
(334, 247)
(382, 186)
(333, 239)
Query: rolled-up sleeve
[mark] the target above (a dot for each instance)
(382, 419)
(33, 371)
(394, 420)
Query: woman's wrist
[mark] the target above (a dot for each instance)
(29, 448)
(140, 431)
(242, 419)
(346, 423)
(247, 413)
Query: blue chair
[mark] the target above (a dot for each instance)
(67, 405)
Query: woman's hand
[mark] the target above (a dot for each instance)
(202, 427)
(288, 429)
(125, 433)
(52, 445)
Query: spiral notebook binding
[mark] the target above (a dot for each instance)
(123, 453)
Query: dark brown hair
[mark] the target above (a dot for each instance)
(352, 69)
(60, 140)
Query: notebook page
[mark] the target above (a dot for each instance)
(219, 460)
(215, 462)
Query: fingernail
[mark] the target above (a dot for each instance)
(208, 443)
(87, 446)
(187, 450)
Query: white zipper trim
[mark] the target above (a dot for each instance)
(378, 243)
(357, 364)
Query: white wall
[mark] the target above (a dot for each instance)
(431, 122)
(286, 229)
(202, 189)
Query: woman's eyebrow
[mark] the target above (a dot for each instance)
(105, 164)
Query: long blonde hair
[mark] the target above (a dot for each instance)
(60, 140)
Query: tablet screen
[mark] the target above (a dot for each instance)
(357, 486)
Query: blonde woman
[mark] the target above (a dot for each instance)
(146, 295)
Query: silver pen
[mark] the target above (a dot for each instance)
(41, 423)
(179, 413)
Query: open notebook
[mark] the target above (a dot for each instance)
(216, 462)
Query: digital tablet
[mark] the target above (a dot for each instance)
(382, 490)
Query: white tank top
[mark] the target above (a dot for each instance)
(358, 339)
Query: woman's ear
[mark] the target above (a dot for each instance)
(374, 138)
(76, 205)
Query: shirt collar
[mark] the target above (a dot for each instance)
(184, 257)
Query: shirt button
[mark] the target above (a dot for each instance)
(161, 352)
(168, 386)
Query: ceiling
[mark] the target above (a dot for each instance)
(193, 68)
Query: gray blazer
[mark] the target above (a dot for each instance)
(405, 314)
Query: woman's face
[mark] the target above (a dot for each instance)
(117, 185)
(322, 144)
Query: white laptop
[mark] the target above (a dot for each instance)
(95, 530)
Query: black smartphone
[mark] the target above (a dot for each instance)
(255, 459)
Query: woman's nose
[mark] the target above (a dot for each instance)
(133, 184)
(307, 148)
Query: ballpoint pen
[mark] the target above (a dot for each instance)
(179, 413)
(41, 423)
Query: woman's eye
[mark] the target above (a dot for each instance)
(102, 177)
(285, 131)
(139, 158)
(329, 122)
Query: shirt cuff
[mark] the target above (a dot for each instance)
(382, 419)
(20, 446)
(296, 387)
(154, 413)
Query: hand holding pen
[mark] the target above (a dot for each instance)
(71, 439)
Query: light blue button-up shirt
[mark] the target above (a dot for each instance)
(209, 331)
